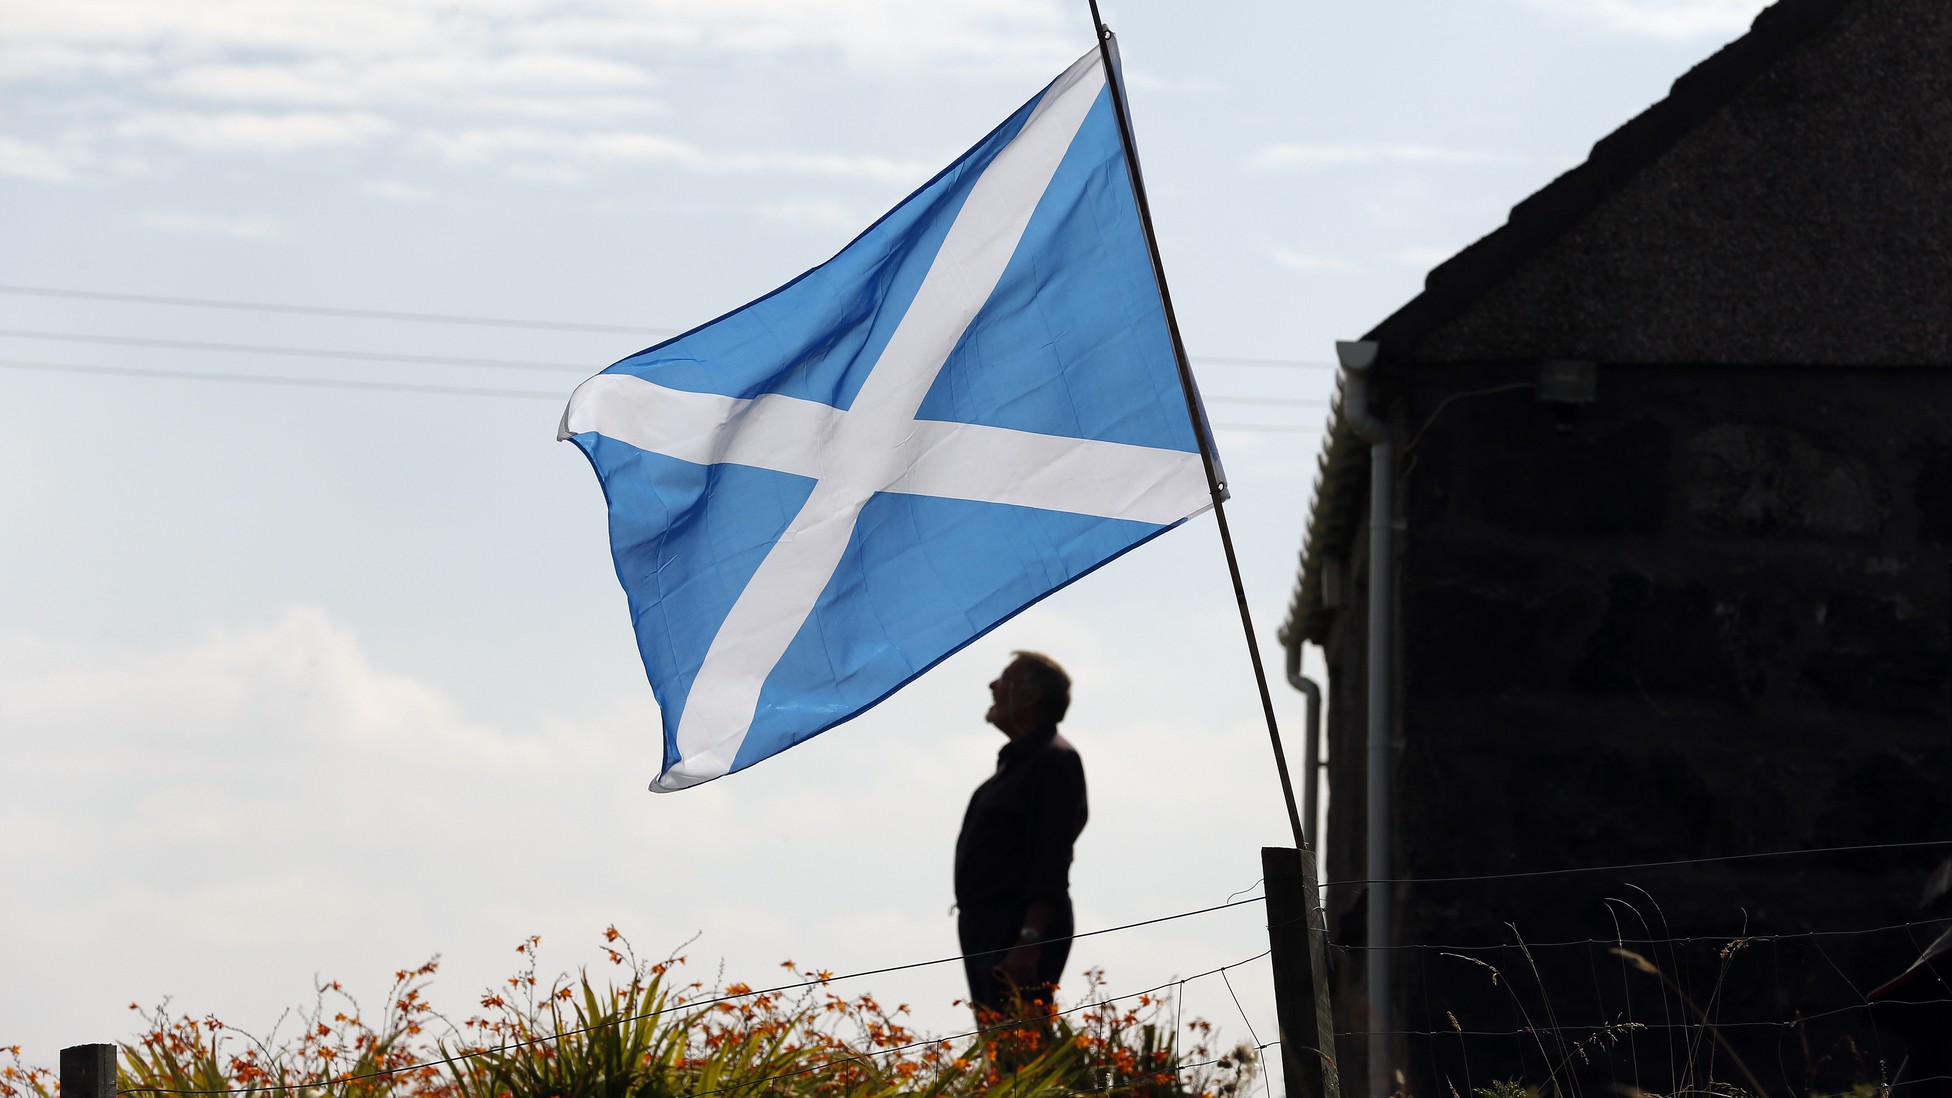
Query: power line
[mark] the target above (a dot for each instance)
(1285, 363)
(408, 387)
(299, 382)
(487, 321)
(449, 360)
(300, 352)
(1277, 402)
(323, 310)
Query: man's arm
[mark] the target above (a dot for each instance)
(1060, 815)
(1020, 964)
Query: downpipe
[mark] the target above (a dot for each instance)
(1358, 360)
(1311, 765)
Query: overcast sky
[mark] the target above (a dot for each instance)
(299, 680)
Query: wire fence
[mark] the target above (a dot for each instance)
(1007, 1026)
(701, 1007)
(1770, 1008)
(1769, 1000)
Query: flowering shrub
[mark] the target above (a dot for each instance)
(647, 1033)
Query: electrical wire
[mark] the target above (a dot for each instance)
(300, 382)
(323, 310)
(1276, 402)
(301, 352)
(408, 387)
(1284, 363)
(488, 321)
(584, 368)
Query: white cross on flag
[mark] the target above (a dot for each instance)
(818, 497)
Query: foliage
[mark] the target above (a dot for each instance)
(647, 1033)
(1506, 1088)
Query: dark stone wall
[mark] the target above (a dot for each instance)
(1707, 615)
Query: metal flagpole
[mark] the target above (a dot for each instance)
(1199, 424)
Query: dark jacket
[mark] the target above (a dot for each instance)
(1017, 834)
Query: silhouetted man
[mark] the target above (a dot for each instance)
(1013, 858)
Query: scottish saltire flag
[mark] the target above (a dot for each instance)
(818, 497)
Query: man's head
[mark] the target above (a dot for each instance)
(1032, 691)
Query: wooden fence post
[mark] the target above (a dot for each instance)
(1297, 937)
(88, 1071)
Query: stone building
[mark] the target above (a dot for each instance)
(1672, 547)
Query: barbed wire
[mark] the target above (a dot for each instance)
(984, 1031)
(1688, 939)
(1713, 1020)
(1705, 860)
(1632, 1026)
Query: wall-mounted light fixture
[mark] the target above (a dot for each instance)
(1565, 384)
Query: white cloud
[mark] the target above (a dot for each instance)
(1676, 20)
(1424, 258)
(369, 27)
(31, 61)
(1303, 261)
(898, 35)
(559, 174)
(1312, 156)
(43, 162)
(582, 109)
(1007, 35)
(824, 213)
(243, 228)
(1174, 85)
(251, 767)
(245, 131)
(304, 75)
(636, 147)
(395, 191)
(350, 81)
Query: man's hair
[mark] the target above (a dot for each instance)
(1051, 680)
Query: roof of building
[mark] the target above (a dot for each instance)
(1534, 225)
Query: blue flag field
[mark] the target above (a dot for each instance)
(817, 497)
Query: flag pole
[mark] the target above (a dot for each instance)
(1214, 487)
